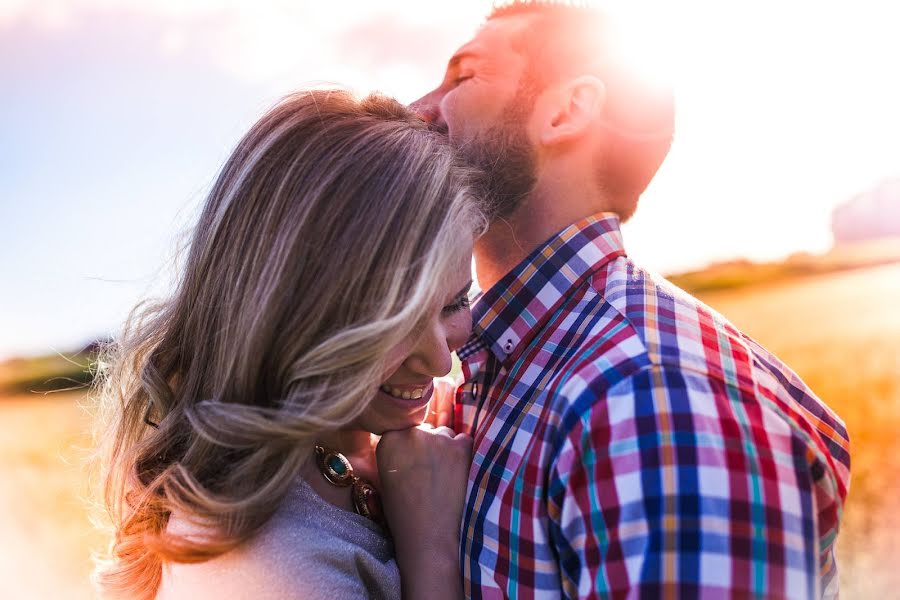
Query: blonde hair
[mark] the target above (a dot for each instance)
(319, 249)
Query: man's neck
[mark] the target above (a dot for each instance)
(546, 212)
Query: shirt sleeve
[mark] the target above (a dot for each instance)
(674, 484)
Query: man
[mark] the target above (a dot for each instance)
(629, 441)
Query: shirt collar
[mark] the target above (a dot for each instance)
(517, 305)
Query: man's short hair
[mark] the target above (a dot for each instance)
(568, 39)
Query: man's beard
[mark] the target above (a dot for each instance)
(506, 159)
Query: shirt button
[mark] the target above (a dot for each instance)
(508, 346)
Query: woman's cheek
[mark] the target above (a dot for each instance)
(459, 329)
(395, 358)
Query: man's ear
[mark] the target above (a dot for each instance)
(579, 104)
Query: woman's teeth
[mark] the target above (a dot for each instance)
(403, 394)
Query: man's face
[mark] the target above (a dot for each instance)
(484, 105)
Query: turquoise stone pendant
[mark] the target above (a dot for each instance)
(336, 470)
(334, 467)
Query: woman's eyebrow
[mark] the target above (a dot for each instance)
(465, 290)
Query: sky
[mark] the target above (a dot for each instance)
(115, 116)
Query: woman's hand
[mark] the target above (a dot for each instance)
(423, 473)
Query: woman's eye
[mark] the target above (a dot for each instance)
(460, 303)
(462, 78)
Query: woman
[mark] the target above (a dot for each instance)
(325, 286)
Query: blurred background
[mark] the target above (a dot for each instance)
(779, 205)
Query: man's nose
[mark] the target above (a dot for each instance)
(428, 107)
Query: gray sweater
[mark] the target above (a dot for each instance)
(310, 549)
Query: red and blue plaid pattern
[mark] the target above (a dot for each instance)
(630, 442)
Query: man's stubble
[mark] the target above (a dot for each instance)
(505, 157)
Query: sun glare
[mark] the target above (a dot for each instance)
(644, 39)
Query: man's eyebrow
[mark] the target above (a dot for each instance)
(459, 57)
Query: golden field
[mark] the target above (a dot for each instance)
(840, 332)
(46, 536)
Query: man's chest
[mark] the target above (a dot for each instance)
(506, 525)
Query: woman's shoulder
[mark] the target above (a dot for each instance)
(309, 548)
(308, 530)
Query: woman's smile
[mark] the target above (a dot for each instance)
(416, 394)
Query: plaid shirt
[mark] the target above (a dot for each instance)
(630, 442)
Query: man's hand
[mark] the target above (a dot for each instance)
(440, 409)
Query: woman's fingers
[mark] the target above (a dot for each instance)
(424, 474)
(444, 431)
(465, 439)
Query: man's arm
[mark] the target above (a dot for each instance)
(672, 483)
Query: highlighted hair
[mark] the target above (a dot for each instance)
(317, 251)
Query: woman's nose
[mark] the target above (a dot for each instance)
(432, 353)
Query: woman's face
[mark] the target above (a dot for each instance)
(402, 399)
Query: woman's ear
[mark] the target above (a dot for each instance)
(579, 104)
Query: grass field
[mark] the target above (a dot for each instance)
(840, 331)
(47, 539)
